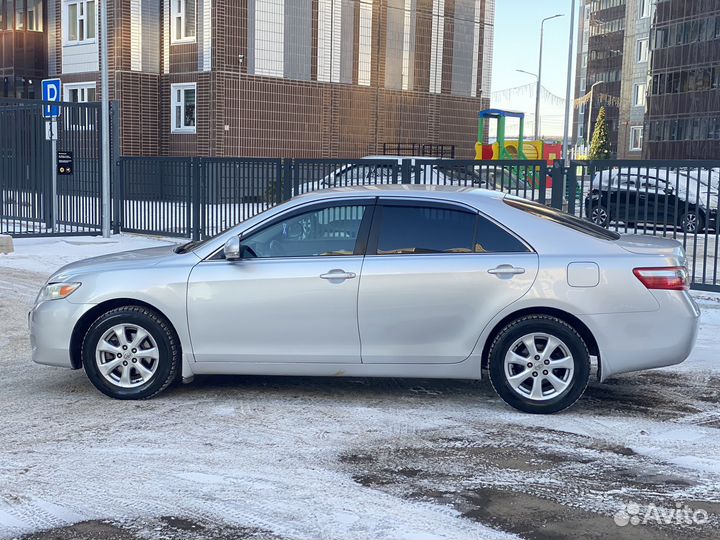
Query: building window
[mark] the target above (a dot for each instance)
(81, 18)
(184, 98)
(639, 95)
(636, 138)
(437, 41)
(365, 43)
(329, 55)
(642, 50)
(583, 84)
(644, 9)
(183, 21)
(269, 37)
(80, 92)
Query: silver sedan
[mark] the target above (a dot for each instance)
(398, 281)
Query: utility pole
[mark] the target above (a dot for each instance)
(539, 76)
(105, 122)
(568, 90)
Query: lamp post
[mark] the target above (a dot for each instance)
(539, 76)
(568, 89)
(533, 75)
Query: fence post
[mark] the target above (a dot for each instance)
(571, 187)
(405, 168)
(285, 168)
(558, 187)
(116, 171)
(195, 195)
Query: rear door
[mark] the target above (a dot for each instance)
(434, 275)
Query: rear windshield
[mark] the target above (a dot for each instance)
(556, 216)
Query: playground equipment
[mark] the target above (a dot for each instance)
(519, 149)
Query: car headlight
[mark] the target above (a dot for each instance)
(56, 291)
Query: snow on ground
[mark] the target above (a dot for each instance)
(46, 254)
(280, 457)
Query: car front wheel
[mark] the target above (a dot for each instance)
(131, 352)
(539, 364)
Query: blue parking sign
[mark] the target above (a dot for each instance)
(51, 92)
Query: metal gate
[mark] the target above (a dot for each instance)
(42, 195)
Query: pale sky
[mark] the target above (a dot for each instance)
(517, 40)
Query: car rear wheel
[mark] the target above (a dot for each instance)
(131, 352)
(692, 222)
(599, 215)
(539, 364)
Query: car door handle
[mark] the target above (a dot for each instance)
(338, 274)
(506, 269)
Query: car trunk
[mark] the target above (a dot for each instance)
(651, 245)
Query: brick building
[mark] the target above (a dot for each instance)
(290, 78)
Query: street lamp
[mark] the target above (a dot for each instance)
(539, 76)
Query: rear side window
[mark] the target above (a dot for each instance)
(561, 218)
(418, 229)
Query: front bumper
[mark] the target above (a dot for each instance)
(646, 340)
(51, 324)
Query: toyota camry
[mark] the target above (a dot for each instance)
(381, 281)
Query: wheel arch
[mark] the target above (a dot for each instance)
(90, 316)
(570, 319)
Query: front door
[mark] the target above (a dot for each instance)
(291, 298)
(433, 278)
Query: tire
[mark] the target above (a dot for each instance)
(692, 222)
(531, 390)
(599, 215)
(135, 366)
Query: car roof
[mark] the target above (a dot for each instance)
(437, 192)
(400, 158)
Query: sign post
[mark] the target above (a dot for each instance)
(51, 91)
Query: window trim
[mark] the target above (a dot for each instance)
(188, 130)
(66, 23)
(174, 15)
(372, 243)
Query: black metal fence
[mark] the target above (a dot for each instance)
(200, 197)
(33, 200)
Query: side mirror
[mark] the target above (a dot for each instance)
(231, 250)
(669, 190)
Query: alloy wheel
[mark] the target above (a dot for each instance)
(599, 216)
(127, 355)
(690, 222)
(539, 366)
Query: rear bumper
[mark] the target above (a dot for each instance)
(646, 340)
(51, 324)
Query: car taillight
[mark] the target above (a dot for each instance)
(669, 278)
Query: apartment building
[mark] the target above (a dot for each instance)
(683, 109)
(23, 48)
(599, 68)
(660, 73)
(291, 78)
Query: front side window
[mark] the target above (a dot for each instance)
(80, 21)
(184, 99)
(325, 232)
(183, 20)
(417, 230)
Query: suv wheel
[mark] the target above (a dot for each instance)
(691, 222)
(131, 352)
(539, 364)
(599, 215)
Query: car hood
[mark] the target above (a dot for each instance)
(117, 261)
(651, 245)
